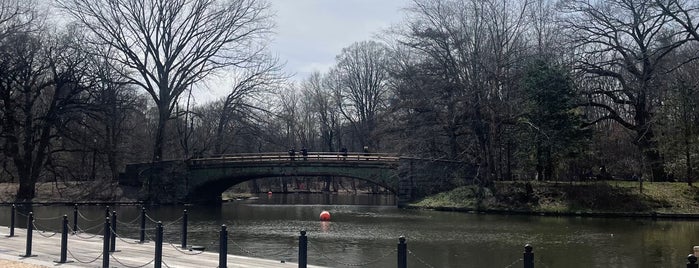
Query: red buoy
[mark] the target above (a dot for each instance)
(325, 216)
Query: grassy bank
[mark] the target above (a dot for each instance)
(73, 192)
(550, 197)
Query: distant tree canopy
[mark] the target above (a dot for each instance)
(519, 90)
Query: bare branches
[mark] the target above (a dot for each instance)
(172, 45)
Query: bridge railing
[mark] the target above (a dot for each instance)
(297, 156)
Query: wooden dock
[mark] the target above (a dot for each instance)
(85, 250)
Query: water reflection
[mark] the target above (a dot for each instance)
(365, 228)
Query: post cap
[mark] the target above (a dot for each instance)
(528, 248)
(303, 232)
(401, 239)
(691, 258)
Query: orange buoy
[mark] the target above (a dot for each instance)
(325, 216)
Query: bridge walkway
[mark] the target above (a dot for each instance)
(87, 252)
(317, 157)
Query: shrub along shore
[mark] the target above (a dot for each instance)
(597, 199)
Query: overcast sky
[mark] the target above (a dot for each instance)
(310, 33)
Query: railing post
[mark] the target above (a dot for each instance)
(112, 237)
(223, 248)
(106, 212)
(12, 221)
(75, 218)
(105, 244)
(64, 241)
(303, 249)
(184, 229)
(159, 245)
(692, 261)
(528, 257)
(402, 252)
(142, 235)
(30, 231)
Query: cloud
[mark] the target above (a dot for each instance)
(310, 33)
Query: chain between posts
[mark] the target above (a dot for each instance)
(515, 262)
(129, 266)
(85, 218)
(77, 234)
(419, 259)
(185, 252)
(41, 232)
(85, 262)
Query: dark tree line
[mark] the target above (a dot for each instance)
(520, 90)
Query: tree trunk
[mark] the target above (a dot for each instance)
(649, 148)
(164, 116)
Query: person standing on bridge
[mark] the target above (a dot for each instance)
(344, 152)
(304, 153)
(292, 152)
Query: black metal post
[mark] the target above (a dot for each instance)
(159, 245)
(75, 219)
(303, 249)
(112, 237)
(142, 235)
(30, 231)
(184, 229)
(106, 212)
(105, 244)
(12, 221)
(692, 261)
(402, 252)
(223, 248)
(64, 241)
(528, 257)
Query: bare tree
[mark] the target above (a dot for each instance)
(248, 84)
(361, 86)
(42, 89)
(169, 45)
(622, 47)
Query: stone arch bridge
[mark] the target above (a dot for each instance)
(204, 179)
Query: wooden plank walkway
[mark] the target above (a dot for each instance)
(86, 251)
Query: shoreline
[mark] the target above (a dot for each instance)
(641, 215)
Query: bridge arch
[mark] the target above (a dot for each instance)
(206, 183)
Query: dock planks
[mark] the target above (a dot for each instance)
(86, 251)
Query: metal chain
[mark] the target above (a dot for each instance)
(353, 264)
(85, 218)
(91, 228)
(78, 260)
(184, 252)
(84, 238)
(128, 266)
(515, 262)
(168, 266)
(150, 219)
(420, 260)
(120, 238)
(128, 222)
(41, 233)
(173, 222)
(48, 219)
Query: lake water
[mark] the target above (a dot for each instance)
(365, 228)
